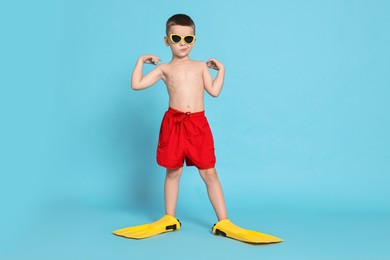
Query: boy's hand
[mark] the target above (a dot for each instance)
(214, 64)
(150, 59)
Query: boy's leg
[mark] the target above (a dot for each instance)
(171, 190)
(214, 190)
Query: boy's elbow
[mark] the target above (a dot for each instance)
(135, 86)
(214, 94)
(215, 90)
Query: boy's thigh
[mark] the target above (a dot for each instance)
(200, 149)
(170, 148)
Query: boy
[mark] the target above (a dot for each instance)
(185, 133)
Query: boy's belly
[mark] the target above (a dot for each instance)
(186, 106)
(187, 102)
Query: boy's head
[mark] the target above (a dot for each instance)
(179, 19)
(180, 36)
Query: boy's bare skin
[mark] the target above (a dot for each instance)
(186, 81)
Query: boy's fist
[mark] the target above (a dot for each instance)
(150, 59)
(214, 64)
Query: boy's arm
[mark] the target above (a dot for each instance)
(213, 87)
(138, 81)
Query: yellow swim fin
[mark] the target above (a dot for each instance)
(227, 229)
(165, 224)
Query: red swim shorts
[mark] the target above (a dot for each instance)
(185, 136)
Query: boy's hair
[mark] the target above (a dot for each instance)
(180, 19)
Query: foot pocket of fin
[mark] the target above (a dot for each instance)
(219, 232)
(173, 227)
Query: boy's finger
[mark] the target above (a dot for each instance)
(212, 64)
(156, 59)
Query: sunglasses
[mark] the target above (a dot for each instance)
(176, 38)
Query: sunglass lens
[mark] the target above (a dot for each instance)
(175, 38)
(189, 39)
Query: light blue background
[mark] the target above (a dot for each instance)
(301, 129)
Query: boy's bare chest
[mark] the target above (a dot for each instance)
(183, 73)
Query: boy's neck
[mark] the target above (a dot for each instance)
(176, 59)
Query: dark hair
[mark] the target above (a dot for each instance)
(180, 19)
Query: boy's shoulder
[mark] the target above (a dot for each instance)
(199, 62)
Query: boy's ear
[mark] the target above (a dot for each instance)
(166, 40)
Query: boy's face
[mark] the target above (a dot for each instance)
(182, 48)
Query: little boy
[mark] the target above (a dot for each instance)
(185, 134)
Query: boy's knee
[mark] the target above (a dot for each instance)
(210, 171)
(174, 173)
(209, 175)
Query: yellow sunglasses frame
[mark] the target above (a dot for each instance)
(181, 38)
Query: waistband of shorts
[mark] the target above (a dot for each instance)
(178, 112)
